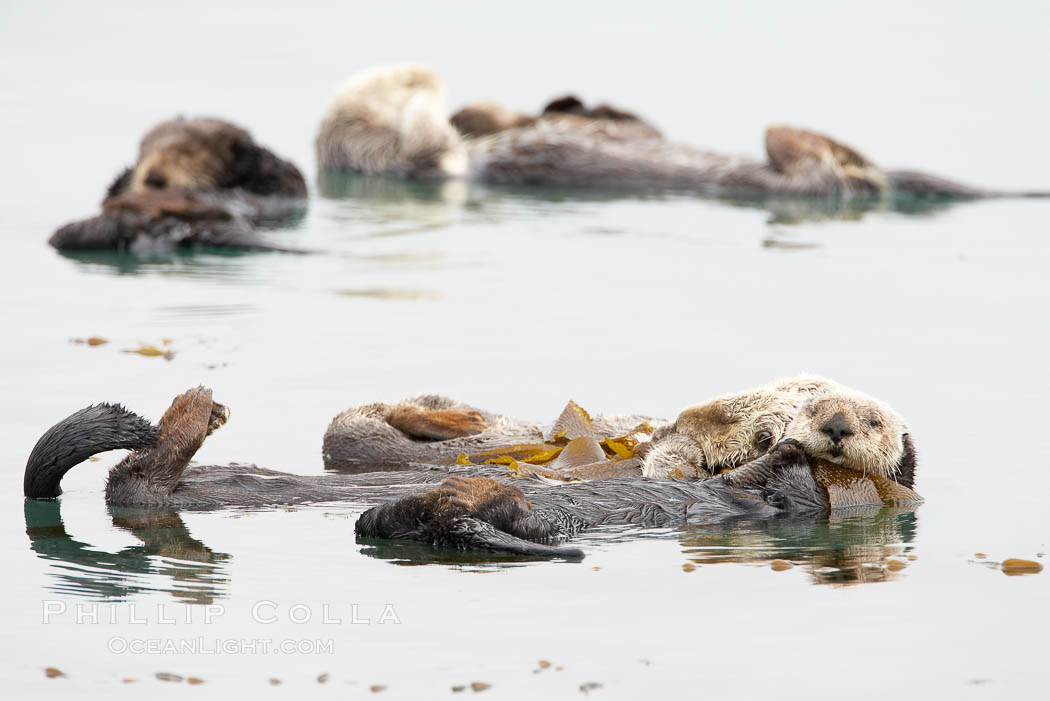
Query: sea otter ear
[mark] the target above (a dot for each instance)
(906, 466)
(569, 104)
(789, 148)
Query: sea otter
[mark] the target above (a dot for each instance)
(436, 429)
(197, 182)
(859, 457)
(391, 120)
(484, 507)
(731, 429)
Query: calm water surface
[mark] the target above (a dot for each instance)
(518, 301)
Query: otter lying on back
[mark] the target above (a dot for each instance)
(197, 182)
(837, 455)
(392, 121)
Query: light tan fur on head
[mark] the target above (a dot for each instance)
(733, 429)
(391, 120)
(870, 435)
(187, 153)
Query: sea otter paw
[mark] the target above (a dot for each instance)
(220, 414)
(436, 424)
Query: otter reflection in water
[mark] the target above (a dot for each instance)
(475, 508)
(857, 546)
(168, 551)
(392, 120)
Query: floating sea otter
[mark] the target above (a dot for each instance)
(706, 438)
(392, 120)
(197, 182)
(476, 507)
(831, 468)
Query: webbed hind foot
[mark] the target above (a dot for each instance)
(436, 424)
(220, 414)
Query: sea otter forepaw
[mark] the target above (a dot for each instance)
(788, 452)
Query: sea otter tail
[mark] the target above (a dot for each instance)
(94, 429)
(918, 184)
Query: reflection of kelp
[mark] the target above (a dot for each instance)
(848, 548)
(168, 551)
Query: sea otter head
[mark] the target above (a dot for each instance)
(202, 153)
(856, 432)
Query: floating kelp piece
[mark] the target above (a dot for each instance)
(151, 351)
(574, 422)
(1014, 566)
(580, 451)
(849, 488)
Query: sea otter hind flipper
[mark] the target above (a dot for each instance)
(93, 429)
(436, 424)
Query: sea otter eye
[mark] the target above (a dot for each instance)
(763, 440)
(156, 180)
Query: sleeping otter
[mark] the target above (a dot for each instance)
(157, 474)
(845, 466)
(197, 182)
(435, 429)
(730, 430)
(392, 121)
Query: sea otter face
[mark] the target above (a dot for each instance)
(854, 432)
(190, 154)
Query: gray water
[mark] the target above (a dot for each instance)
(518, 301)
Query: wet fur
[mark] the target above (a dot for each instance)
(730, 430)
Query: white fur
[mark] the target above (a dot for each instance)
(391, 120)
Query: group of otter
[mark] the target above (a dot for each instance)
(452, 476)
(205, 182)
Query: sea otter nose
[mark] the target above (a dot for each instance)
(836, 428)
(156, 180)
